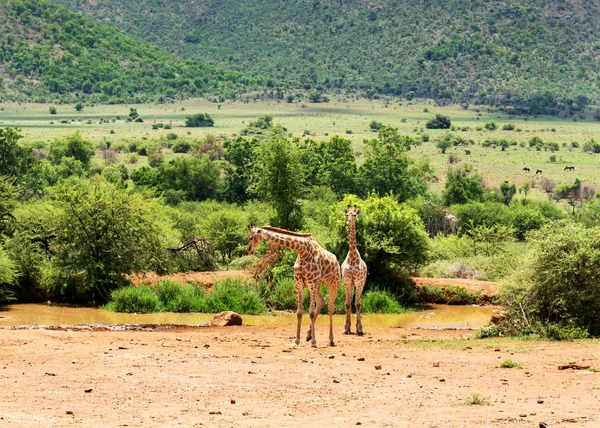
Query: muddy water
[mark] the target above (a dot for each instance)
(435, 316)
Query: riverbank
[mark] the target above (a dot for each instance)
(252, 376)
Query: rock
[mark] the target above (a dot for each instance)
(232, 401)
(498, 317)
(436, 364)
(336, 381)
(226, 318)
(331, 357)
(378, 367)
(523, 415)
(361, 359)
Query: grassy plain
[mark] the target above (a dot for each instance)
(341, 116)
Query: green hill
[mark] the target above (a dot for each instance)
(49, 53)
(534, 54)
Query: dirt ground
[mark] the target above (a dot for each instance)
(252, 377)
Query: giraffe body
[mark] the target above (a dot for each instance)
(354, 273)
(314, 267)
(449, 221)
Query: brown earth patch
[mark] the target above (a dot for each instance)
(253, 377)
(486, 288)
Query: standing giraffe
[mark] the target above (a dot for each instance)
(314, 267)
(354, 272)
(449, 221)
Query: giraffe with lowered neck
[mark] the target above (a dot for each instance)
(314, 267)
(354, 272)
(449, 221)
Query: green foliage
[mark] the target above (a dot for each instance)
(8, 276)
(108, 231)
(477, 399)
(558, 283)
(134, 300)
(15, 160)
(226, 230)
(186, 178)
(240, 170)
(387, 168)
(376, 126)
(199, 120)
(389, 235)
(450, 295)
(439, 122)
(233, 295)
(280, 181)
(462, 187)
(491, 126)
(175, 297)
(73, 146)
(52, 110)
(50, 52)
(380, 302)
(508, 191)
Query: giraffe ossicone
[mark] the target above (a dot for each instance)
(314, 267)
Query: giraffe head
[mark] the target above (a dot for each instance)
(255, 238)
(351, 214)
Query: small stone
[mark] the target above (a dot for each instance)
(378, 367)
(336, 381)
(361, 359)
(207, 345)
(442, 380)
(50, 374)
(75, 361)
(69, 412)
(88, 390)
(436, 364)
(245, 413)
(331, 357)
(522, 415)
(232, 401)
(497, 350)
(358, 423)
(215, 413)
(540, 401)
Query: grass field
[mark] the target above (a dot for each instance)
(350, 118)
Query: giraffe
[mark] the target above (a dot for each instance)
(448, 220)
(314, 267)
(354, 272)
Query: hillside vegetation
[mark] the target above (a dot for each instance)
(48, 52)
(536, 55)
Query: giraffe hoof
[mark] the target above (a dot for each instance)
(314, 345)
(347, 332)
(331, 343)
(360, 333)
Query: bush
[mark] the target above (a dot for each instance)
(558, 283)
(8, 275)
(450, 295)
(176, 297)
(199, 120)
(440, 122)
(491, 126)
(140, 300)
(380, 302)
(233, 295)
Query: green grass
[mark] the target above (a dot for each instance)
(509, 364)
(476, 399)
(334, 118)
(380, 302)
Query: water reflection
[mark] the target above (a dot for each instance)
(435, 316)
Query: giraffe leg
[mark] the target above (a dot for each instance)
(359, 290)
(348, 286)
(334, 285)
(311, 305)
(319, 302)
(299, 312)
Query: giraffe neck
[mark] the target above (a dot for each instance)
(353, 254)
(299, 244)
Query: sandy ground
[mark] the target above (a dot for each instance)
(252, 376)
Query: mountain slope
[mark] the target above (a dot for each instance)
(48, 52)
(455, 49)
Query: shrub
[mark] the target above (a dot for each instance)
(176, 297)
(375, 126)
(141, 300)
(508, 127)
(491, 126)
(510, 364)
(199, 120)
(380, 302)
(8, 275)
(557, 284)
(440, 122)
(233, 295)
(53, 110)
(283, 295)
(451, 295)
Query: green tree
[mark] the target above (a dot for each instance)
(52, 110)
(199, 120)
(439, 122)
(387, 168)
(73, 146)
(390, 236)
(79, 106)
(558, 282)
(195, 179)
(108, 231)
(8, 275)
(280, 181)
(226, 230)
(462, 187)
(508, 191)
(240, 170)
(15, 160)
